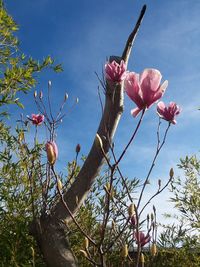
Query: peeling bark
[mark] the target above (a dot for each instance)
(48, 231)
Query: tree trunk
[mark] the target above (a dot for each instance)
(53, 243)
(49, 231)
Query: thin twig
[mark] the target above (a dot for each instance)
(153, 164)
(158, 192)
(118, 236)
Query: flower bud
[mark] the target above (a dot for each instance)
(153, 250)
(78, 148)
(107, 187)
(59, 184)
(33, 252)
(21, 136)
(52, 152)
(66, 97)
(49, 83)
(171, 173)
(159, 183)
(41, 95)
(84, 253)
(152, 216)
(35, 94)
(131, 210)
(142, 258)
(98, 141)
(125, 251)
(109, 190)
(86, 243)
(134, 221)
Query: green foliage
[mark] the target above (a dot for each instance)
(17, 71)
(20, 165)
(183, 257)
(18, 199)
(186, 191)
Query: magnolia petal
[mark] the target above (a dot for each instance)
(55, 148)
(132, 88)
(115, 72)
(160, 106)
(135, 112)
(150, 80)
(163, 86)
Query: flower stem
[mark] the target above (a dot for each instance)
(132, 137)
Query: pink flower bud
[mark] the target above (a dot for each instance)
(133, 221)
(169, 112)
(78, 148)
(52, 152)
(144, 89)
(37, 119)
(115, 72)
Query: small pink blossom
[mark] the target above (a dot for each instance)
(144, 89)
(169, 112)
(115, 72)
(37, 119)
(52, 152)
(141, 238)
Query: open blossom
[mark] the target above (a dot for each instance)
(144, 89)
(52, 152)
(115, 72)
(141, 238)
(37, 119)
(169, 112)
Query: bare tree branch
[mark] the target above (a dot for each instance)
(113, 109)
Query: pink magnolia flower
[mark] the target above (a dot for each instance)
(144, 89)
(115, 72)
(37, 119)
(169, 112)
(141, 238)
(52, 152)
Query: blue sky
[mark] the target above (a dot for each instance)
(81, 35)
